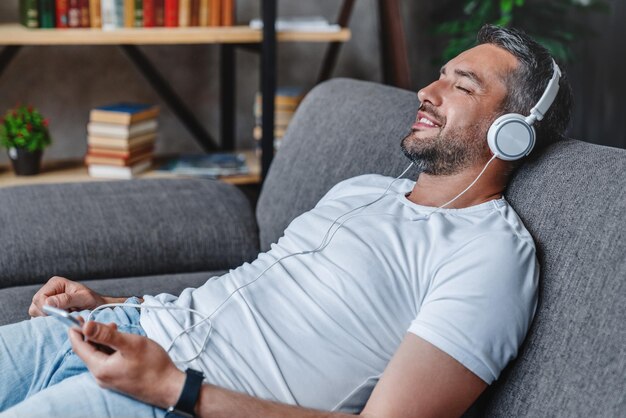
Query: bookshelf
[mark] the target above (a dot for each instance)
(13, 36)
(16, 34)
(69, 171)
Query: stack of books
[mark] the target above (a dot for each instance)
(285, 104)
(121, 139)
(112, 14)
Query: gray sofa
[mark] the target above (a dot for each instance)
(150, 236)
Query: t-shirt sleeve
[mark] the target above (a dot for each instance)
(481, 302)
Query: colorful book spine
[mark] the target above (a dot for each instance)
(73, 14)
(29, 15)
(46, 14)
(61, 13)
(138, 14)
(149, 18)
(204, 13)
(194, 14)
(215, 15)
(184, 7)
(228, 13)
(84, 14)
(159, 13)
(171, 13)
(112, 14)
(129, 13)
(95, 10)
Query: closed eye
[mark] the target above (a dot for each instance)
(464, 90)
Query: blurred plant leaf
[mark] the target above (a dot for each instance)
(556, 24)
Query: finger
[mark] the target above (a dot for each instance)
(109, 336)
(61, 301)
(87, 352)
(55, 285)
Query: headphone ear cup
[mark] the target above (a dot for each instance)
(510, 137)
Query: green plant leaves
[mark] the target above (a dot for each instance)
(24, 127)
(552, 23)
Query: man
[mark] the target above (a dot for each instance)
(377, 301)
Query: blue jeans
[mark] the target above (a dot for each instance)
(40, 376)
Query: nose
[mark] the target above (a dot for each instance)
(430, 93)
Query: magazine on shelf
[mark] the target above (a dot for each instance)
(303, 24)
(207, 165)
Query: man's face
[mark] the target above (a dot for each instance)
(450, 130)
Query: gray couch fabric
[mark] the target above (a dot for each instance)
(128, 228)
(572, 199)
(573, 363)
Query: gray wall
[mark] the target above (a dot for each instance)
(66, 82)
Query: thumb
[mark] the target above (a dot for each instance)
(107, 335)
(61, 301)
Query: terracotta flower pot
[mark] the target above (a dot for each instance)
(25, 163)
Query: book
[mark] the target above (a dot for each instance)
(73, 14)
(29, 13)
(257, 132)
(130, 144)
(95, 17)
(61, 13)
(129, 13)
(228, 13)
(171, 13)
(184, 8)
(138, 8)
(117, 172)
(304, 24)
(46, 13)
(194, 15)
(215, 12)
(114, 130)
(124, 113)
(159, 13)
(204, 13)
(84, 13)
(207, 165)
(149, 17)
(112, 12)
(120, 153)
(116, 161)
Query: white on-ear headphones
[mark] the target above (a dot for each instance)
(512, 136)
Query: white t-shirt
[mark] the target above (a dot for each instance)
(317, 330)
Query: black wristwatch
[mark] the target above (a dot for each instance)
(186, 404)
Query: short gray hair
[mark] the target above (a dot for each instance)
(527, 83)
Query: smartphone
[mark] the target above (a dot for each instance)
(72, 322)
(62, 315)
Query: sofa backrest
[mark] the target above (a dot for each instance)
(572, 200)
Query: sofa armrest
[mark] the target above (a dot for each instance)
(123, 228)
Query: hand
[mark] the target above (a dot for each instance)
(64, 294)
(139, 367)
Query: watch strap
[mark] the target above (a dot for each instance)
(189, 396)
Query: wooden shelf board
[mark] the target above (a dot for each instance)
(16, 34)
(71, 171)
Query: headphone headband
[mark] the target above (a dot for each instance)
(546, 100)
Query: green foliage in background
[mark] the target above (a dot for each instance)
(553, 23)
(24, 127)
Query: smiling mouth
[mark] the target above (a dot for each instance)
(425, 123)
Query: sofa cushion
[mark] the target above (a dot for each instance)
(573, 362)
(123, 228)
(16, 300)
(342, 128)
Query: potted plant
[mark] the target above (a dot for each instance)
(24, 132)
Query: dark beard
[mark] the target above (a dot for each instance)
(444, 156)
